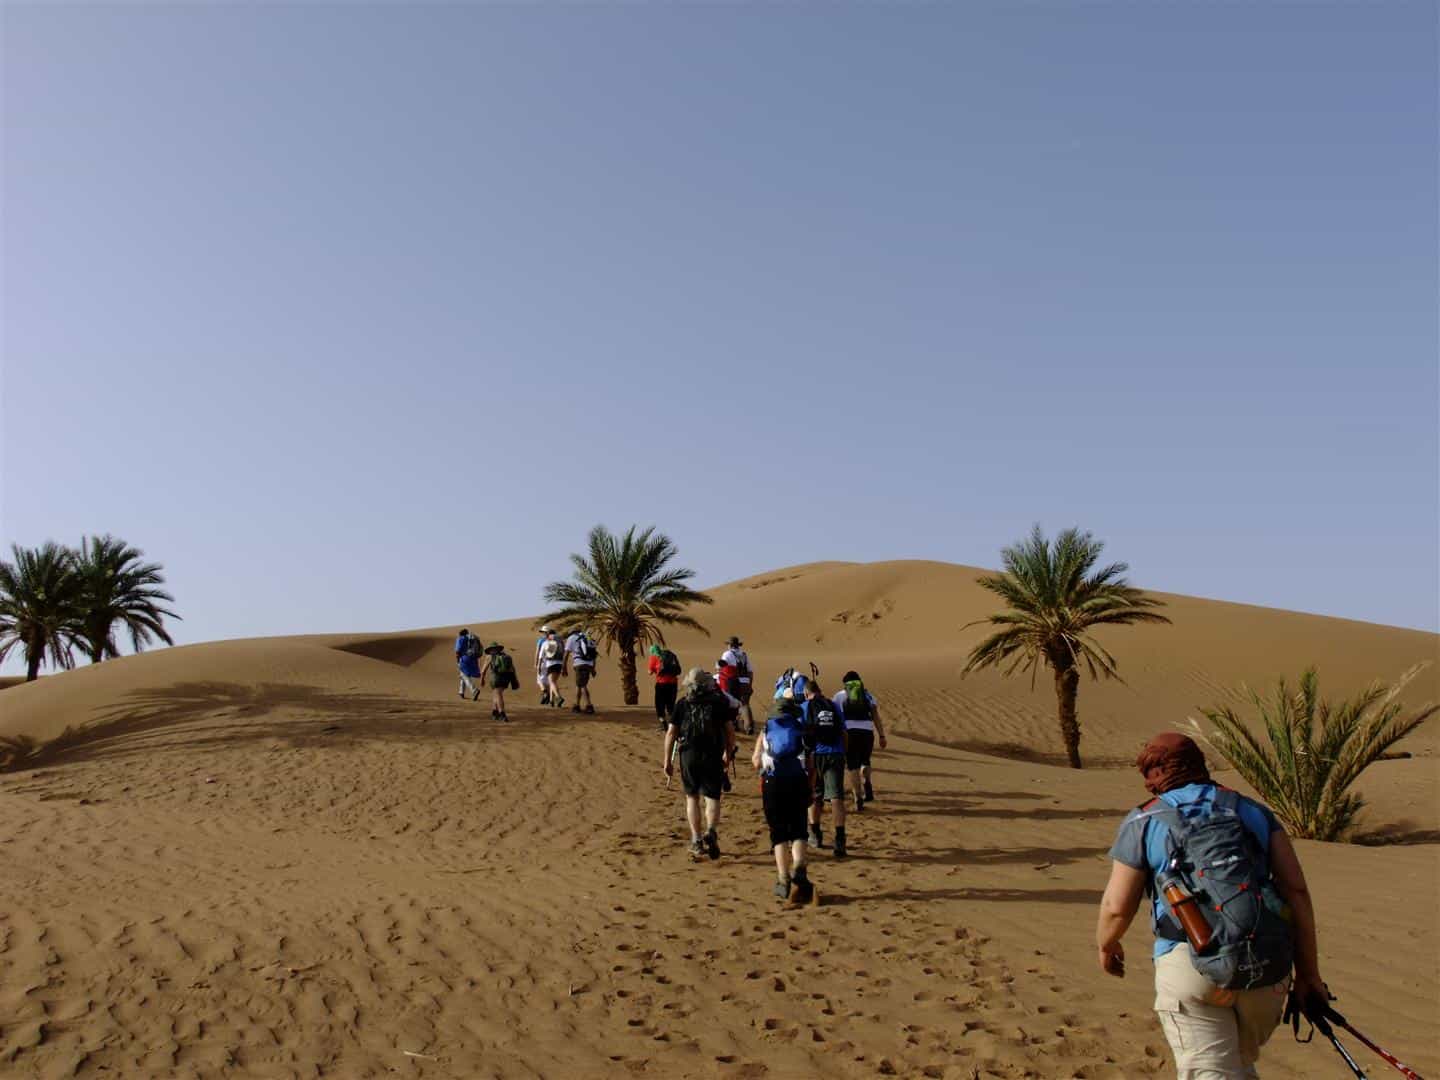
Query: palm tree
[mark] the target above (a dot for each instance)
(118, 587)
(1056, 597)
(623, 593)
(1306, 771)
(39, 606)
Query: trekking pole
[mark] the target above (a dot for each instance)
(1390, 1059)
(1323, 1026)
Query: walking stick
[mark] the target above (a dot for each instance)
(1322, 1025)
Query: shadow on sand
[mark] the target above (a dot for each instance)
(219, 714)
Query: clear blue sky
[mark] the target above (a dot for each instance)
(358, 317)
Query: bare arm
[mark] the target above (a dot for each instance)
(1285, 865)
(879, 727)
(1117, 911)
(755, 755)
(667, 762)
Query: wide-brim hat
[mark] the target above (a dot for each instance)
(734, 641)
(493, 649)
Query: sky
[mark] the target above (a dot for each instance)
(358, 317)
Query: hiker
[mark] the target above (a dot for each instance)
(467, 659)
(700, 727)
(738, 658)
(780, 758)
(552, 666)
(581, 652)
(499, 672)
(540, 680)
(665, 666)
(825, 730)
(860, 713)
(1217, 1006)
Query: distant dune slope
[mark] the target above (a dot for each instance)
(901, 624)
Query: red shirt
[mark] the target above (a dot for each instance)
(661, 680)
(726, 679)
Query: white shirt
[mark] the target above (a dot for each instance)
(572, 646)
(867, 724)
(740, 660)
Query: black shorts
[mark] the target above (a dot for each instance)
(701, 773)
(582, 676)
(742, 691)
(787, 804)
(554, 669)
(665, 694)
(859, 745)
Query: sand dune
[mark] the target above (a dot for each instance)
(306, 856)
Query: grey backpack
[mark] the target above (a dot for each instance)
(1221, 864)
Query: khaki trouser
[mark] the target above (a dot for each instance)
(1215, 1034)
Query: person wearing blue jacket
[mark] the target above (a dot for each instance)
(467, 659)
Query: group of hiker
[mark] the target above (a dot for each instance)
(1235, 939)
(808, 746)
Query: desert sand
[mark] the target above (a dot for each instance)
(306, 856)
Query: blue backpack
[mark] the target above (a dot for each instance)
(785, 739)
(791, 680)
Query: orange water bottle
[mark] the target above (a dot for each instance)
(1186, 909)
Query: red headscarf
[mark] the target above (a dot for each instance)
(1171, 760)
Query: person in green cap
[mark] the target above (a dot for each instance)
(665, 666)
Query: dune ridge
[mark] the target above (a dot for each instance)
(306, 856)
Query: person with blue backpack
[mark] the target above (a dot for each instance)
(781, 758)
(467, 659)
(825, 735)
(1229, 906)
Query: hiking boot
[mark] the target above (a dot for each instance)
(697, 851)
(869, 792)
(504, 719)
(782, 888)
(859, 802)
(494, 714)
(712, 844)
(589, 710)
(545, 698)
(725, 781)
(559, 702)
(801, 891)
(840, 841)
(476, 696)
(817, 838)
(576, 709)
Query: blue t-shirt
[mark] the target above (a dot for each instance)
(1141, 842)
(829, 738)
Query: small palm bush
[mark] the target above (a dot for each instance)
(1314, 751)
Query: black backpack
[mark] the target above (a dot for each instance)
(702, 720)
(1220, 863)
(669, 663)
(473, 648)
(824, 721)
(585, 649)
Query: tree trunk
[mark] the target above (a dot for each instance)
(627, 671)
(33, 655)
(1067, 684)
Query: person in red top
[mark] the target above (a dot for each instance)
(727, 678)
(665, 666)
